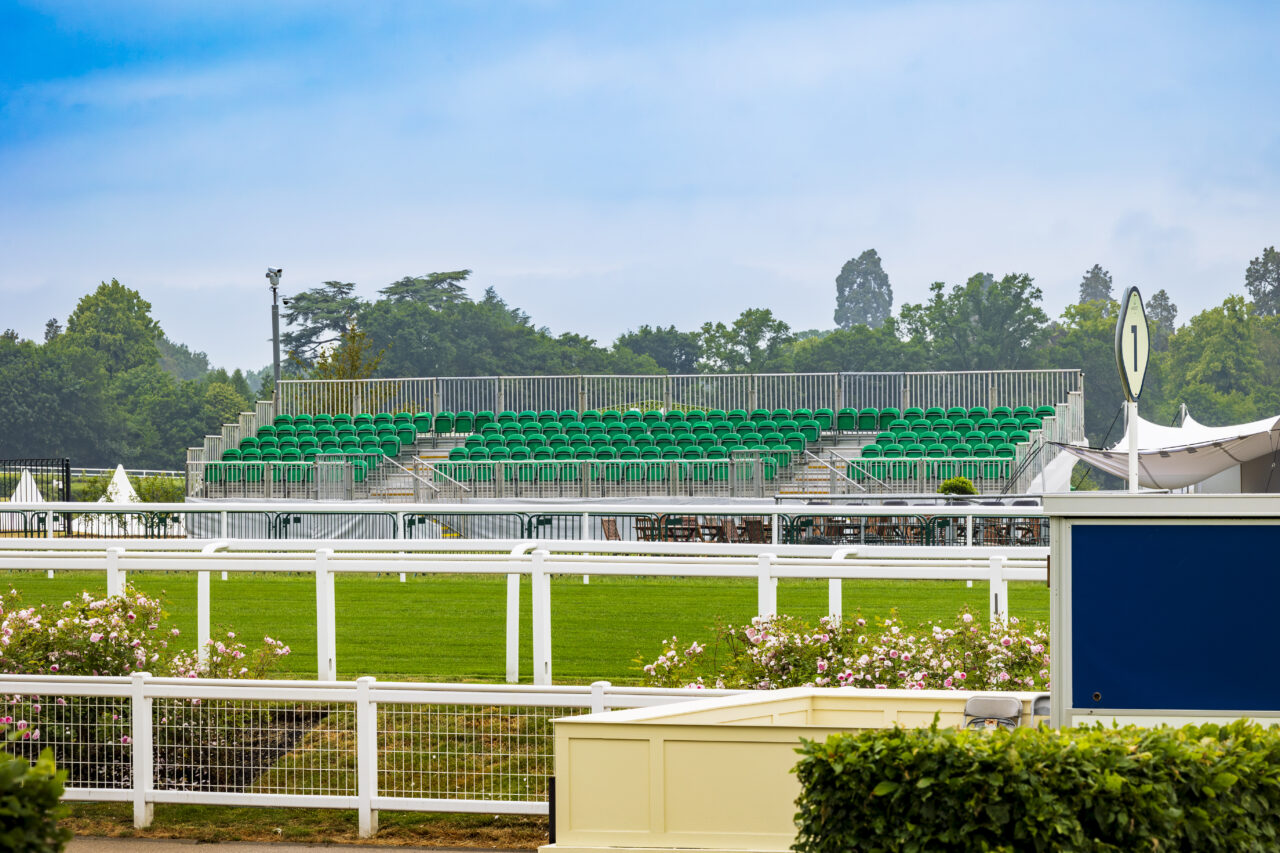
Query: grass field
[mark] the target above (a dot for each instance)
(451, 627)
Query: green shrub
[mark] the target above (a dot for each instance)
(1198, 788)
(957, 486)
(30, 805)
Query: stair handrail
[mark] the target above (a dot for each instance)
(846, 476)
(415, 476)
(436, 470)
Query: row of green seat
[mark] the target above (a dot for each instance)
(466, 422)
(916, 451)
(963, 424)
(289, 469)
(388, 446)
(631, 471)
(977, 436)
(809, 427)
(911, 469)
(872, 419)
(778, 453)
(796, 440)
(335, 420)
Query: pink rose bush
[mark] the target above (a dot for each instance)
(784, 651)
(116, 635)
(121, 635)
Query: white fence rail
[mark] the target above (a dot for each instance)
(360, 744)
(537, 560)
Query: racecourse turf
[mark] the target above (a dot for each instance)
(452, 627)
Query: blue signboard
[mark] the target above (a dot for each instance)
(1175, 616)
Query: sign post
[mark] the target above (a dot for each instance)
(1133, 349)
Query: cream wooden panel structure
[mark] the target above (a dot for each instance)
(713, 774)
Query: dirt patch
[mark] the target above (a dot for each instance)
(312, 826)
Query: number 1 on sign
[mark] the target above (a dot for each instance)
(1134, 330)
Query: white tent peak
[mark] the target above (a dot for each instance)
(27, 491)
(120, 490)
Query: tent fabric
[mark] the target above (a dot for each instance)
(120, 490)
(1176, 457)
(27, 491)
(1056, 476)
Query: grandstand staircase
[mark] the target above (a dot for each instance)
(394, 483)
(809, 476)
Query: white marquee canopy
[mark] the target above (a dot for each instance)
(1175, 457)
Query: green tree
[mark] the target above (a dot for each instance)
(180, 361)
(116, 322)
(672, 350)
(755, 340)
(863, 293)
(1162, 315)
(436, 289)
(1215, 366)
(1262, 280)
(352, 358)
(983, 324)
(1096, 286)
(320, 314)
(860, 348)
(52, 328)
(1084, 339)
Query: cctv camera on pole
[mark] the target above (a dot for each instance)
(273, 276)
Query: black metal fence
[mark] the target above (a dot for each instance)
(51, 479)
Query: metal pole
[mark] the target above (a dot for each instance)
(1132, 408)
(273, 276)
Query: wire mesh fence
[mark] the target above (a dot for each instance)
(465, 752)
(254, 746)
(302, 743)
(90, 736)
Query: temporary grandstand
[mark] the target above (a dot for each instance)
(714, 436)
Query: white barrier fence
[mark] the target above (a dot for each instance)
(537, 559)
(922, 520)
(359, 745)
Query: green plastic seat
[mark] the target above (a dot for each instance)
(847, 419)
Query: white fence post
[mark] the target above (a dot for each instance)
(766, 587)
(513, 628)
(366, 755)
(597, 696)
(115, 577)
(835, 599)
(541, 584)
(998, 591)
(326, 622)
(202, 616)
(140, 741)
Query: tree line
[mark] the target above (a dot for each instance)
(111, 387)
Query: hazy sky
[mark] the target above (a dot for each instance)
(605, 165)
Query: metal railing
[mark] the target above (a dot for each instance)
(783, 520)
(363, 744)
(722, 391)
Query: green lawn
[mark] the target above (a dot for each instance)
(451, 627)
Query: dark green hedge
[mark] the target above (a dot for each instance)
(1198, 788)
(29, 805)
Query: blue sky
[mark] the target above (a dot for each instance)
(605, 165)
